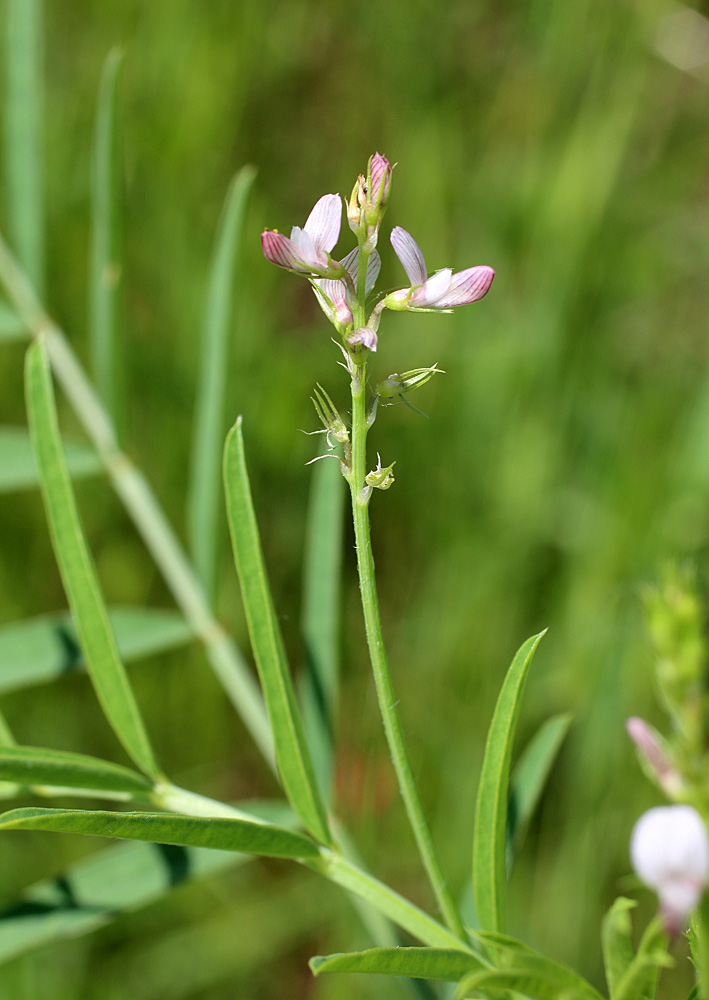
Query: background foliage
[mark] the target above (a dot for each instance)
(567, 452)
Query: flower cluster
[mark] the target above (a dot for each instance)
(338, 284)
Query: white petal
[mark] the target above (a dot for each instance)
(433, 290)
(670, 843)
(374, 265)
(323, 224)
(467, 286)
(409, 253)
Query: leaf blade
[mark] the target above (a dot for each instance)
(442, 964)
(77, 569)
(39, 766)
(164, 828)
(491, 810)
(203, 505)
(292, 753)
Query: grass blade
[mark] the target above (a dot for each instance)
(163, 828)
(530, 776)
(321, 616)
(491, 811)
(62, 769)
(24, 195)
(46, 648)
(18, 469)
(104, 262)
(292, 754)
(204, 492)
(78, 573)
(98, 889)
(416, 963)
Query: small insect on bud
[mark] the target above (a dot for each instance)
(669, 849)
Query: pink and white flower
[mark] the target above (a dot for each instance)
(444, 289)
(337, 298)
(307, 251)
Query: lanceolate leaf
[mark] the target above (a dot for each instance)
(292, 753)
(530, 776)
(618, 951)
(415, 963)
(18, 469)
(639, 981)
(45, 648)
(77, 568)
(37, 766)
(522, 969)
(165, 828)
(203, 503)
(491, 812)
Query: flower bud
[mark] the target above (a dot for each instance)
(360, 341)
(654, 757)
(357, 202)
(329, 416)
(669, 850)
(378, 184)
(394, 387)
(380, 478)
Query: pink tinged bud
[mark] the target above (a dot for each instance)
(409, 253)
(466, 287)
(379, 179)
(669, 850)
(653, 756)
(362, 339)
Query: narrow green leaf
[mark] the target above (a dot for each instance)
(18, 469)
(76, 565)
(11, 326)
(321, 616)
(292, 754)
(415, 963)
(24, 194)
(164, 828)
(491, 810)
(639, 981)
(105, 261)
(98, 889)
(37, 766)
(45, 648)
(514, 956)
(616, 940)
(530, 776)
(203, 498)
(534, 984)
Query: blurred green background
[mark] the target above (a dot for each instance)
(565, 143)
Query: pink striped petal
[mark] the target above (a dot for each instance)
(281, 251)
(409, 253)
(466, 287)
(323, 224)
(430, 294)
(374, 265)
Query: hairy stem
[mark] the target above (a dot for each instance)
(375, 640)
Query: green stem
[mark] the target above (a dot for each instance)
(398, 909)
(142, 506)
(375, 640)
